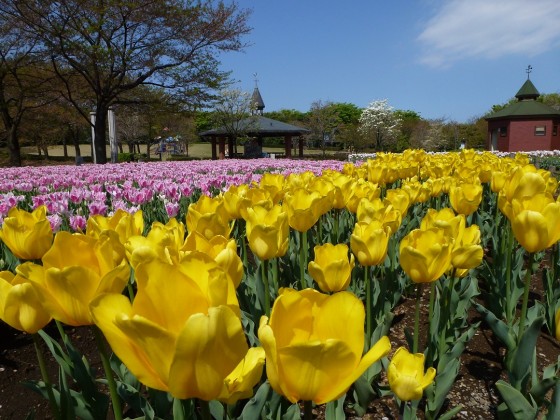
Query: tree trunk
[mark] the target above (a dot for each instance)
(13, 147)
(101, 134)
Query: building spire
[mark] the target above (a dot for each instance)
(528, 71)
(257, 103)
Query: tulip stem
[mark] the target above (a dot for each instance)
(117, 410)
(528, 275)
(308, 410)
(417, 318)
(205, 410)
(46, 379)
(302, 258)
(368, 307)
(264, 275)
(509, 252)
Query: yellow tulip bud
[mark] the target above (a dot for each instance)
(209, 217)
(332, 267)
(535, 221)
(557, 319)
(20, 304)
(406, 375)
(267, 231)
(369, 242)
(304, 208)
(28, 235)
(425, 255)
(465, 197)
(314, 343)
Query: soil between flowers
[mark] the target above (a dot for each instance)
(481, 367)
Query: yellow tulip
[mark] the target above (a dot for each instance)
(274, 184)
(193, 350)
(357, 190)
(465, 197)
(162, 241)
(425, 255)
(123, 223)
(75, 270)
(399, 199)
(20, 305)
(332, 267)
(369, 242)
(27, 235)
(303, 208)
(406, 375)
(314, 343)
(209, 217)
(267, 231)
(467, 252)
(221, 250)
(234, 199)
(445, 219)
(380, 210)
(535, 221)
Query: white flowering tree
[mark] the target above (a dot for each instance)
(379, 124)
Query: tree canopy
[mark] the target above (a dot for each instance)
(113, 46)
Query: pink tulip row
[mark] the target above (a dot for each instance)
(75, 192)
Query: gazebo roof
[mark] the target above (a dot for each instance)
(526, 106)
(259, 126)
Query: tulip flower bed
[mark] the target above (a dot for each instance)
(279, 288)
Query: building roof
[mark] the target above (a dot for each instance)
(526, 106)
(527, 91)
(259, 126)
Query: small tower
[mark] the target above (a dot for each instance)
(257, 103)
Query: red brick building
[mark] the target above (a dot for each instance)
(525, 125)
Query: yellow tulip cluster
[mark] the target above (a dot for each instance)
(181, 331)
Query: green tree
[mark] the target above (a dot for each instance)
(324, 122)
(408, 122)
(115, 46)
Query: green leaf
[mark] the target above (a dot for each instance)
(519, 361)
(335, 409)
(539, 390)
(60, 356)
(517, 404)
(448, 415)
(255, 406)
(497, 326)
(363, 394)
(292, 413)
(554, 408)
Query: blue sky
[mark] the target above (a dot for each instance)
(449, 59)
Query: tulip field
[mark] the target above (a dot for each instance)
(268, 289)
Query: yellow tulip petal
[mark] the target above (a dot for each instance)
(531, 230)
(315, 371)
(208, 349)
(161, 284)
(268, 341)
(106, 309)
(239, 384)
(73, 288)
(23, 309)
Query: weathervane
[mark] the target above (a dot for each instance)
(528, 71)
(256, 80)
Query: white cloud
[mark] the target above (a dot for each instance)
(489, 29)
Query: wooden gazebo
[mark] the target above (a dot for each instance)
(256, 126)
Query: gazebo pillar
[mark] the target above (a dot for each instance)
(213, 147)
(300, 144)
(231, 148)
(222, 147)
(288, 146)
